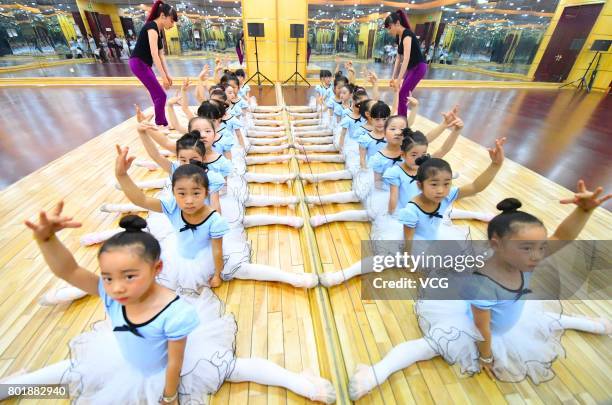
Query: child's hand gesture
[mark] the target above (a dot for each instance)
(349, 66)
(177, 97)
(123, 162)
(140, 117)
(203, 76)
(51, 223)
(185, 86)
(451, 115)
(585, 199)
(372, 78)
(412, 102)
(458, 124)
(143, 126)
(497, 154)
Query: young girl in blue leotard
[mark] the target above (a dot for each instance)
(510, 337)
(157, 346)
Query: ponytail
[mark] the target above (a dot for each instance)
(159, 8)
(398, 16)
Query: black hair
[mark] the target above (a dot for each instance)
(191, 121)
(412, 138)
(191, 141)
(223, 106)
(211, 110)
(240, 73)
(229, 76)
(364, 107)
(506, 222)
(159, 8)
(429, 166)
(380, 109)
(398, 15)
(133, 234)
(350, 87)
(359, 93)
(340, 78)
(324, 73)
(219, 92)
(194, 170)
(388, 122)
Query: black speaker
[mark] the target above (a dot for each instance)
(601, 45)
(297, 30)
(256, 30)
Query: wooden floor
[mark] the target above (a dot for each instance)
(328, 331)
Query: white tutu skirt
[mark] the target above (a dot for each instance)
(526, 350)
(157, 222)
(191, 275)
(180, 273)
(377, 203)
(363, 181)
(100, 375)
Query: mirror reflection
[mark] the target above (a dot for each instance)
(472, 40)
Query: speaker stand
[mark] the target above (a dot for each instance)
(582, 82)
(258, 73)
(297, 74)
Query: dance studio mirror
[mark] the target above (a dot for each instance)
(474, 40)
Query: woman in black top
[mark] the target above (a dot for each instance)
(149, 49)
(413, 67)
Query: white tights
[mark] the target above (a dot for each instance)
(407, 353)
(255, 370)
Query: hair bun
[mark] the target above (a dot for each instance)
(407, 132)
(194, 133)
(508, 205)
(199, 164)
(422, 159)
(133, 223)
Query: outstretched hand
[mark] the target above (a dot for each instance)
(451, 115)
(177, 97)
(123, 162)
(50, 223)
(585, 199)
(497, 153)
(412, 102)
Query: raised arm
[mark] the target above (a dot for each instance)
(202, 86)
(173, 119)
(351, 71)
(185, 100)
(151, 148)
(486, 177)
(58, 258)
(373, 79)
(451, 139)
(413, 106)
(162, 140)
(448, 117)
(132, 192)
(140, 116)
(586, 201)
